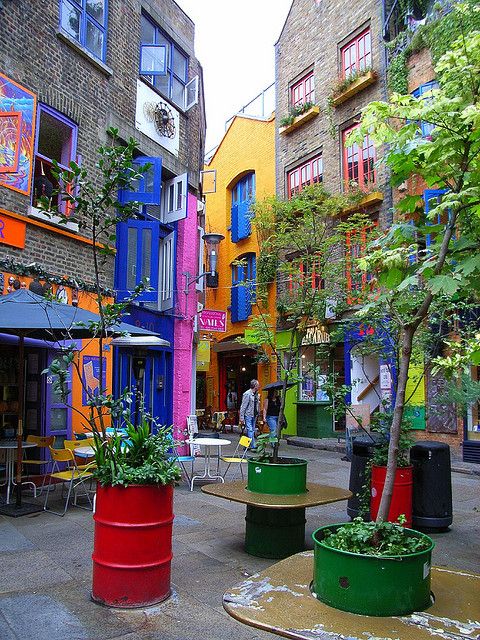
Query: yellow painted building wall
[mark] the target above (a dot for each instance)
(248, 145)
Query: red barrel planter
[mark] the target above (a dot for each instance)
(133, 545)
(401, 497)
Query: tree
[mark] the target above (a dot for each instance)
(428, 262)
(302, 248)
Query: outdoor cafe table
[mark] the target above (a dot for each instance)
(208, 443)
(275, 524)
(10, 447)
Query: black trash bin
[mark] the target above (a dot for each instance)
(362, 451)
(432, 485)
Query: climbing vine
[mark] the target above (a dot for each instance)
(438, 34)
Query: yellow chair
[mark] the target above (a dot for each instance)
(73, 475)
(239, 456)
(74, 444)
(42, 442)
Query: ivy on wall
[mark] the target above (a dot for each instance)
(437, 34)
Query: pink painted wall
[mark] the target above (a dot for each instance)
(187, 261)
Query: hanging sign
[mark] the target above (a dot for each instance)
(212, 320)
(316, 334)
(203, 355)
(12, 231)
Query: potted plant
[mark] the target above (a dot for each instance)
(372, 568)
(135, 474)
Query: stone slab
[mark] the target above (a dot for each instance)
(279, 600)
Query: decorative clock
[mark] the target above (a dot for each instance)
(162, 117)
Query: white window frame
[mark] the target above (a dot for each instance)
(175, 198)
(190, 94)
(200, 284)
(166, 278)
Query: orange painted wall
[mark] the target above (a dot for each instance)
(248, 145)
(86, 301)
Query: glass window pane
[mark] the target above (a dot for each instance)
(96, 8)
(146, 252)
(94, 40)
(179, 64)
(132, 259)
(162, 84)
(153, 59)
(179, 194)
(307, 372)
(70, 20)
(161, 39)
(148, 31)
(178, 92)
(58, 419)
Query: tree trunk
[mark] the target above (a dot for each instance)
(396, 424)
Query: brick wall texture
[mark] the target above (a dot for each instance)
(94, 97)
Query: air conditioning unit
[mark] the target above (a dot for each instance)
(200, 206)
(199, 307)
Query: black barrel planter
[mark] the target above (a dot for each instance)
(371, 585)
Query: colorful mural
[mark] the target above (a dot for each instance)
(17, 130)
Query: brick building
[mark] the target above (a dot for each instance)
(330, 63)
(68, 72)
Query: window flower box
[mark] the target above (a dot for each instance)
(341, 95)
(369, 200)
(300, 120)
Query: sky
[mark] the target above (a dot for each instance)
(234, 44)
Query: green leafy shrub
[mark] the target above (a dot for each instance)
(382, 539)
(295, 112)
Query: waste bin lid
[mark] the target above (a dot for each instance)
(363, 443)
(429, 445)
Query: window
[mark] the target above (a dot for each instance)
(313, 370)
(56, 140)
(359, 162)
(423, 92)
(431, 198)
(243, 194)
(357, 55)
(86, 22)
(309, 173)
(306, 275)
(165, 66)
(357, 281)
(302, 91)
(244, 276)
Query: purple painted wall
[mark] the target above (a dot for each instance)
(187, 261)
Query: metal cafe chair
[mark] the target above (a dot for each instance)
(239, 455)
(72, 475)
(42, 442)
(74, 444)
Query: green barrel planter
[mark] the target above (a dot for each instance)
(369, 585)
(287, 477)
(274, 533)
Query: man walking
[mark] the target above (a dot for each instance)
(249, 410)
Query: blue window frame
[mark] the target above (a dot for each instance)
(432, 197)
(163, 63)
(86, 22)
(420, 92)
(148, 188)
(137, 258)
(244, 276)
(243, 194)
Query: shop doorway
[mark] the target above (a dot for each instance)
(236, 370)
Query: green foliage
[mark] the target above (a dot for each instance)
(383, 539)
(397, 75)
(265, 445)
(344, 83)
(381, 424)
(145, 457)
(294, 112)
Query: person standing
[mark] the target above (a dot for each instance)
(271, 410)
(249, 410)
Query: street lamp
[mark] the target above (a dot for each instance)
(212, 240)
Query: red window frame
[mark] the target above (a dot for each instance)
(316, 281)
(302, 91)
(356, 55)
(359, 161)
(355, 248)
(308, 173)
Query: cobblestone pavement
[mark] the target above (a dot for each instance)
(46, 569)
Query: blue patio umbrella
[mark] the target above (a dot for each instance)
(26, 314)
